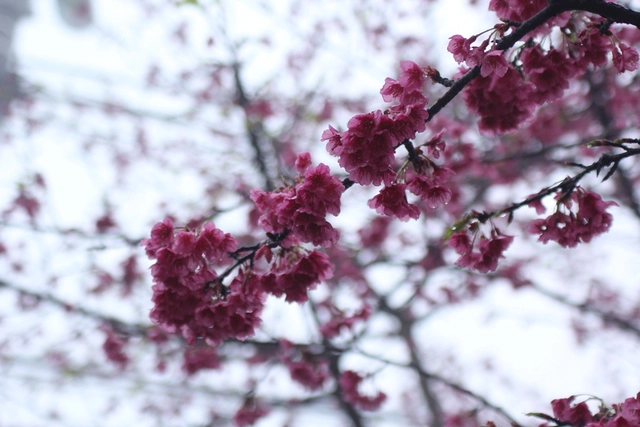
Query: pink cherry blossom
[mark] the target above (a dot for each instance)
(576, 415)
(113, 347)
(349, 382)
(250, 412)
(199, 358)
(392, 201)
(549, 72)
(593, 47)
(488, 250)
(412, 77)
(296, 274)
(502, 102)
(184, 298)
(460, 47)
(302, 209)
(569, 229)
(625, 58)
(517, 10)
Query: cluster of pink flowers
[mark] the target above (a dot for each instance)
(432, 189)
(340, 321)
(366, 149)
(199, 358)
(301, 209)
(113, 347)
(392, 201)
(625, 58)
(499, 95)
(190, 298)
(492, 62)
(313, 374)
(593, 46)
(349, 382)
(502, 102)
(549, 72)
(250, 412)
(488, 250)
(505, 96)
(185, 295)
(569, 229)
(295, 273)
(517, 10)
(626, 414)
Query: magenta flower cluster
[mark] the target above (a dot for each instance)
(482, 256)
(295, 273)
(569, 229)
(303, 368)
(506, 94)
(185, 299)
(113, 347)
(626, 414)
(301, 209)
(366, 150)
(190, 299)
(349, 382)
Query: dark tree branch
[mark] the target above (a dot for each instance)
(530, 154)
(625, 186)
(628, 191)
(255, 130)
(406, 326)
(455, 386)
(607, 317)
(611, 11)
(130, 241)
(567, 185)
(453, 91)
(352, 413)
(129, 329)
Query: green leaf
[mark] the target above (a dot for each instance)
(184, 2)
(457, 226)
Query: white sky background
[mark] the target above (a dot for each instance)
(526, 337)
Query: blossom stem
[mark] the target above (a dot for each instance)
(566, 185)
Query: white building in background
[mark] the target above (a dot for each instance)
(75, 13)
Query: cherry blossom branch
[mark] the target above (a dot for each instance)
(255, 131)
(129, 241)
(568, 184)
(605, 119)
(406, 326)
(453, 91)
(531, 154)
(628, 191)
(607, 317)
(438, 378)
(121, 326)
(348, 408)
(176, 389)
(274, 241)
(612, 11)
